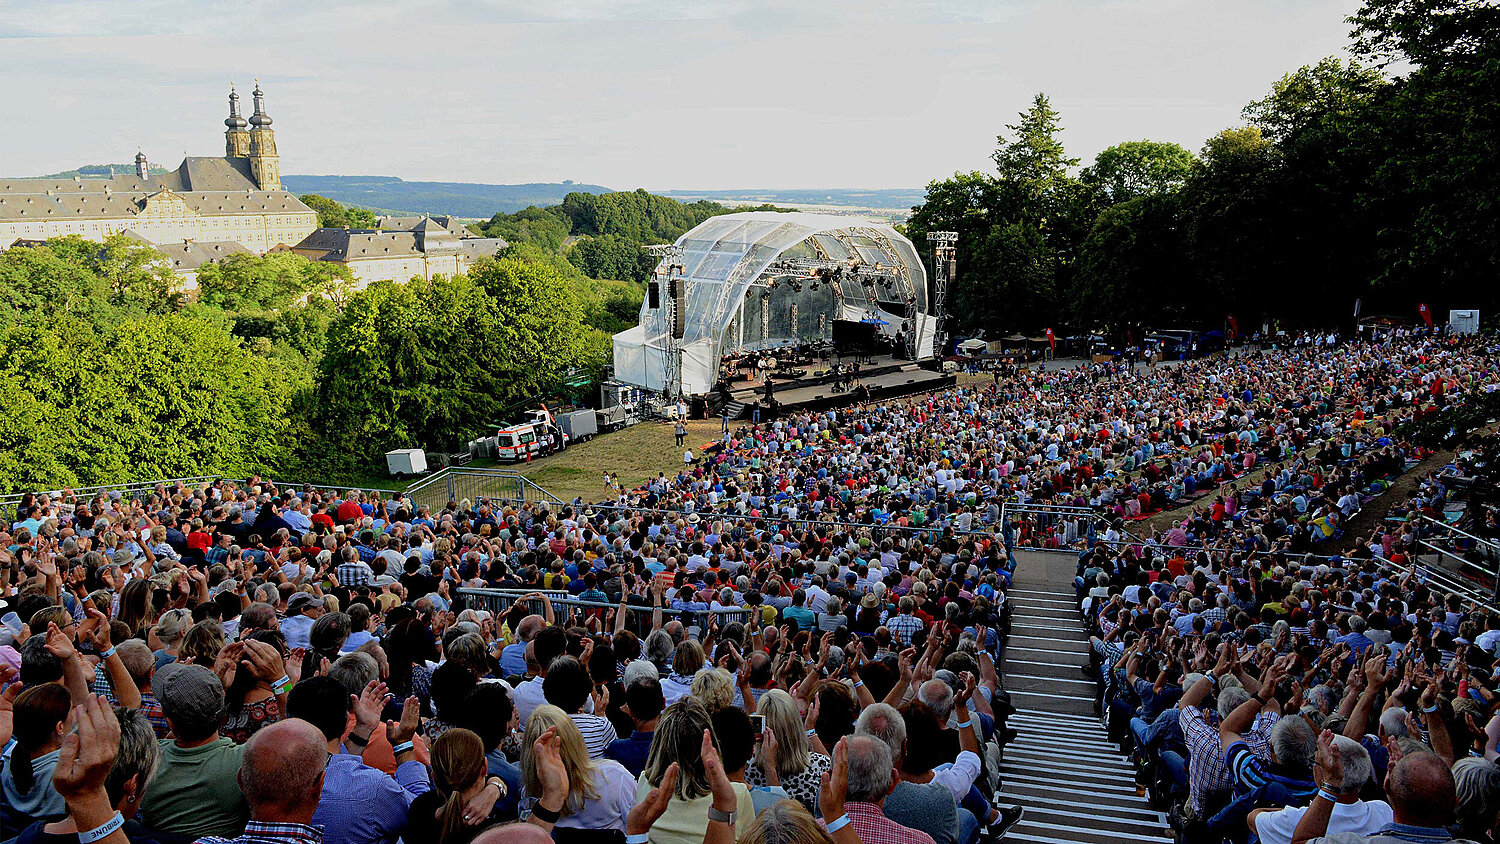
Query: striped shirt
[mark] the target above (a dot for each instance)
(597, 731)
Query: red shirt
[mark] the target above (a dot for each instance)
(350, 511)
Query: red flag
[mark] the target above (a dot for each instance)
(1426, 313)
(1234, 328)
(1052, 341)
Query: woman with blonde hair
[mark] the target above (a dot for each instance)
(458, 776)
(799, 769)
(714, 688)
(679, 740)
(600, 791)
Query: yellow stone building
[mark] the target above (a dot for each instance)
(197, 209)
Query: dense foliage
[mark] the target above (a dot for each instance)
(335, 215)
(1345, 184)
(602, 234)
(108, 375)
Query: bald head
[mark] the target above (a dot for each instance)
(282, 771)
(1422, 790)
(516, 832)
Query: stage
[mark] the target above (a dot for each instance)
(882, 376)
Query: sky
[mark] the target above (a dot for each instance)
(660, 94)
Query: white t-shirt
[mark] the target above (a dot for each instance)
(1360, 817)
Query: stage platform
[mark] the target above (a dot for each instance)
(884, 376)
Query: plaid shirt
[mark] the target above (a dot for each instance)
(903, 627)
(355, 574)
(1208, 769)
(875, 828)
(150, 706)
(267, 832)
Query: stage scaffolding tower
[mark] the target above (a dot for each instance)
(672, 293)
(944, 258)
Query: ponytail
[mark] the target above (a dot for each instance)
(38, 711)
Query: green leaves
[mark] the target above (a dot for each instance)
(431, 364)
(335, 215)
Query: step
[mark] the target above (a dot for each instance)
(1072, 759)
(1049, 750)
(1052, 716)
(1109, 780)
(1081, 805)
(1070, 633)
(1080, 645)
(1047, 791)
(1097, 821)
(1028, 827)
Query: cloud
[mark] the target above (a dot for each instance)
(653, 93)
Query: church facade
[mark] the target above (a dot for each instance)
(237, 199)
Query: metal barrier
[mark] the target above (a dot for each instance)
(499, 601)
(88, 493)
(454, 484)
(875, 529)
(1476, 581)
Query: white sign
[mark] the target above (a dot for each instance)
(1464, 322)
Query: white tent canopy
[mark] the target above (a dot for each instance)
(728, 257)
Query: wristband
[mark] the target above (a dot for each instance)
(282, 686)
(542, 813)
(638, 838)
(403, 747)
(837, 824)
(811, 733)
(968, 723)
(857, 683)
(1328, 795)
(1429, 709)
(355, 739)
(107, 653)
(102, 831)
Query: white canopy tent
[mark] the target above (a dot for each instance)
(762, 279)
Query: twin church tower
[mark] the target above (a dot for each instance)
(252, 139)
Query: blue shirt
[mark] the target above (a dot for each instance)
(631, 752)
(364, 804)
(513, 659)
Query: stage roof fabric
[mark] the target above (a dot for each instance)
(725, 256)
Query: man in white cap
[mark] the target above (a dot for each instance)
(302, 609)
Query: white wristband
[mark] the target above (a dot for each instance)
(837, 824)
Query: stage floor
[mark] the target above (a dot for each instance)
(884, 376)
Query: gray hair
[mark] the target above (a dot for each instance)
(1294, 744)
(870, 769)
(354, 671)
(639, 669)
(1358, 769)
(659, 647)
(939, 698)
(1321, 697)
(1231, 698)
(139, 753)
(1478, 784)
(138, 659)
(882, 721)
(1393, 722)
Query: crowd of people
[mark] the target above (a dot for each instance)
(793, 639)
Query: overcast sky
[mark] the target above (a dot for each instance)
(662, 94)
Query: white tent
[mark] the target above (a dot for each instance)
(726, 258)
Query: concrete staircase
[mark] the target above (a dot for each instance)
(1075, 785)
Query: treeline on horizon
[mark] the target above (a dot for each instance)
(1373, 180)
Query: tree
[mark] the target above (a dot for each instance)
(154, 396)
(1329, 91)
(1139, 168)
(1035, 157)
(270, 282)
(1431, 34)
(335, 215)
(433, 363)
(1130, 272)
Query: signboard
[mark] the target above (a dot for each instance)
(1464, 322)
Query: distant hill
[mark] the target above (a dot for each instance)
(102, 171)
(894, 199)
(461, 199)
